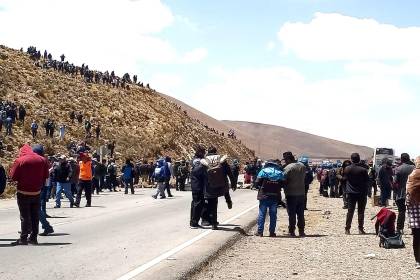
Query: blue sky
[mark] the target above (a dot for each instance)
(348, 70)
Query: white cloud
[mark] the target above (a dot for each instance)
(106, 34)
(194, 56)
(359, 108)
(339, 37)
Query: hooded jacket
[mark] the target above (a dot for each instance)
(30, 171)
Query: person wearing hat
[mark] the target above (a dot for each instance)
(413, 209)
(295, 173)
(29, 170)
(401, 176)
(63, 174)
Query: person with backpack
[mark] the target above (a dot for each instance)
(219, 174)
(401, 176)
(413, 208)
(357, 184)
(62, 175)
(160, 174)
(199, 181)
(85, 180)
(111, 179)
(269, 181)
(128, 176)
(34, 129)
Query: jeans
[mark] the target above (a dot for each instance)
(160, 189)
(44, 196)
(296, 208)
(43, 220)
(401, 213)
(197, 205)
(66, 188)
(271, 205)
(29, 207)
(168, 186)
(128, 182)
(361, 201)
(87, 187)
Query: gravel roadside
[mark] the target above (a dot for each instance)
(325, 254)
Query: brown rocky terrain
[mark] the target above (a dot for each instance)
(269, 141)
(143, 123)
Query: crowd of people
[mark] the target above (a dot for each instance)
(10, 112)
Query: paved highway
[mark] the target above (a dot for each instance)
(119, 234)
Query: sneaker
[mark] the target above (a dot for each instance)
(302, 234)
(46, 232)
(19, 242)
(77, 205)
(345, 207)
(88, 205)
(214, 227)
(273, 234)
(229, 204)
(205, 223)
(162, 197)
(195, 226)
(47, 216)
(347, 232)
(292, 234)
(71, 205)
(33, 241)
(57, 206)
(259, 234)
(418, 265)
(170, 195)
(362, 231)
(154, 196)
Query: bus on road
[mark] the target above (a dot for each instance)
(380, 154)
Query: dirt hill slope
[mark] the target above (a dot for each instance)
(269, 141)
(143, 123)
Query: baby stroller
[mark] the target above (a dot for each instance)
(385, 229)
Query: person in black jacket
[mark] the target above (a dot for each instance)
(3, 179)
(219, 174)
(199, 182)
(62, 175)
(357, 184)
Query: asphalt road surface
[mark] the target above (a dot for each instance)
(119, 234)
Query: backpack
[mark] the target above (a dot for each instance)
(34, 126)
(128, 172)
(216, 176)
(159, 173)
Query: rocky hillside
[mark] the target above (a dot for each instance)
(143, 123)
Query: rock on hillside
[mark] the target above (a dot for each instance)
(143, 123)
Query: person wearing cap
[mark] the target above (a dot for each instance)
(295, 173)
(357, 184)
(29, 170)
(401, 176)
(269, 182)
(85, 180)
(63, 174)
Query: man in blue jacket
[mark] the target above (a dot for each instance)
(269, 182)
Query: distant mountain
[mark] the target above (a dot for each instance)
(270, 141)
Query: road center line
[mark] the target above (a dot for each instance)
(177, 249)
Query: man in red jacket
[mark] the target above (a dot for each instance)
(30, 171)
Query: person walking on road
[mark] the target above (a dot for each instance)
(413, 209)
(85, 180)
(401, 176)
(357, 184)
(160, 175)
(128, 176)
(199, 181)
(168, 173)
(219, 174)
(62, 175)
(269, 182)
(30, 171)
(295, 173)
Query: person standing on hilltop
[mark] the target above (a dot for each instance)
(413, 207)
(62, 57)
(98, 131)
(295, 173)
(30, 171)
(62, 131)
(401, 176)
(22, 113)
(34, 129)
(357, 184)
(79, 117)
(72, 116)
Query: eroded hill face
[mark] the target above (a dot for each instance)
(143, 123)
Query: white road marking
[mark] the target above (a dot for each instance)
(177, 249)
